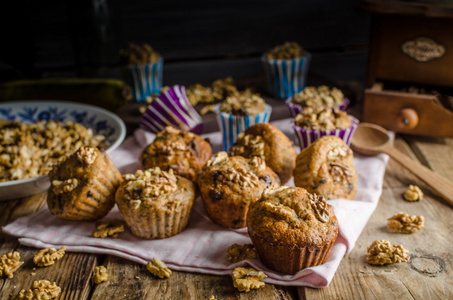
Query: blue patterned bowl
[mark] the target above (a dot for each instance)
(98, 119)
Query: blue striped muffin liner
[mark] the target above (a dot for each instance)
(172, 108)
(144, 80)
(286, 77)
(232, 125)
(306, 137)
(295, 109)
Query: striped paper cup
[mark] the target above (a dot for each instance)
(172, 108)
(286, 77)
(144, 80)
(232, 125)
(307, 136)
(295, 109)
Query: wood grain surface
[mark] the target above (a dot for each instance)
(426, 276)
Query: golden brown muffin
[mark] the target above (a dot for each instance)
(83, 186)
(155, 204)
(229, 185)
(273, 146)
(292, 229)
(184, 152)
(326, 168)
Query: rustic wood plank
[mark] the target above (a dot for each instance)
(133, 281)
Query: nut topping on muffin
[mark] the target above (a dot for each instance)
(153, 182)
(60, 187)
(86, 155)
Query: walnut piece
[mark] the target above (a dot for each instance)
(86, 155)
(289, 50)
(42, 289)
(322, 119)
(47, 257)
(249, 146)
(413, 193)
(405, 223)
(245, 103)
(158, 268)
(212, 297)
(60, 187)
(9, 263)
(241, 252)
(220, 157)
(320, 97)
(100, 274)
(245, 279)
(108, 228)
(319, 205)
(382, 252)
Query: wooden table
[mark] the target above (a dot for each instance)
(427, 276)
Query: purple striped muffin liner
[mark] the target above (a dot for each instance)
(286, 77)
(294, 109)
(232, 125)
(172, 108)
(144, 80)
(307, 136)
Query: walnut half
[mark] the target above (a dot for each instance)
(158, 268)
(382, 252)
(245, 279)
(47, 257)
(100, 274)
(413, 193)
(42, 289)
(9, 263)
(108, 228)
(405, 223)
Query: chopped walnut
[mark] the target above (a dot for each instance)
(381, 252)
(319, 205)
(245, 279)
(321, 97)
(242, 177)
(86, 155)
(241, 252)
(108, 228)
(405, 223)
(152, 182)
(220, 157)
(337, 153)
(42, 289)
(9, 263)
(413, 193)
(249, 146)
(60, 187)
(322, 119)
(158, 268)
(47, 257)
(340, 173)
(244, 103)
(100, 274)
(219, 90)
(288, 50)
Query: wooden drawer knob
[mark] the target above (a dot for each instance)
(407, 118)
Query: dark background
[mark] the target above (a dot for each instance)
(200, 40)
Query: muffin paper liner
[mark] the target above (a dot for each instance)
(294, 109)
(286, 77)
(172, 108)
(144, 80)
(232, 125)
(307, 136)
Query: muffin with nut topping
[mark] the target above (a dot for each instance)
(273, 146)
(155, 204)
(229, 185)
(83, 186)
(326, 168)
(184, 152)
(292, 229)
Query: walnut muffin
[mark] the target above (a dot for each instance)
(326, 168)
(229, 185)
(292, 229)
(155, 204)
(83, 186)
(273, 146)
(184, 152)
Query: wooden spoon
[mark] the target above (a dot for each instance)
(371, 139)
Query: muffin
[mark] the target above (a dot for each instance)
(155, 204)
(317, 98)
(286, 68)
(184, 152)
(171, 108)
(83, 186)
(273, 146)
(229, 185)
(292, 229)
(239, 112)
(142, 69)
(312, 123)
(326, 168)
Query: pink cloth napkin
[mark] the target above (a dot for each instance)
(202, 246)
